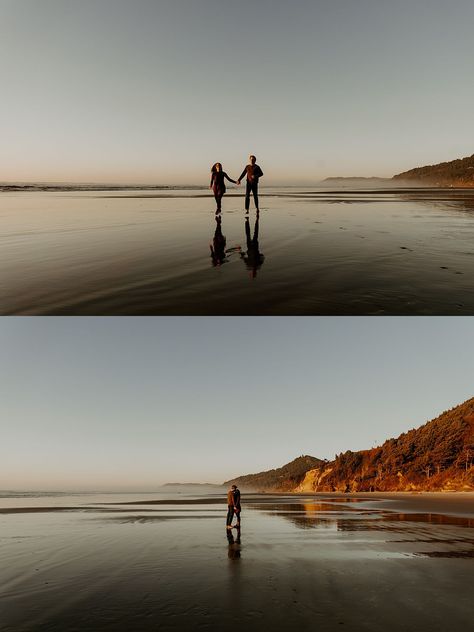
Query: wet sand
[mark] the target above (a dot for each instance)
(315, 252)
(325, 562)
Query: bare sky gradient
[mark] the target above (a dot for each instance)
(130, 403)
(157, 90)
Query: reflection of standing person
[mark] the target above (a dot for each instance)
(254, 258)
(218, 254)
(253, 173)
(218, 183)
(233, 506)
(234, 545)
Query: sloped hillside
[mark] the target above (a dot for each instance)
(458, 173)
(438, 455)
(284, 478)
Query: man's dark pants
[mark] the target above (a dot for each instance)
(252, 187)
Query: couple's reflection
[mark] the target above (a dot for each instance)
(252, 257)
(234, 544)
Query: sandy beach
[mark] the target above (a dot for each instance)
(313, 251)
(147, 562)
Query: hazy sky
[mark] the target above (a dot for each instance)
(157, 90)
(131, 403)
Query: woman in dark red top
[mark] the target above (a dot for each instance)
(218, 183)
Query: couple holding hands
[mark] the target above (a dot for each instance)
(218, 177)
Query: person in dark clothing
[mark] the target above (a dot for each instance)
(233, 506)
(218, 183)
(253, 173)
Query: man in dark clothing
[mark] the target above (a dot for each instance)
(233, 506)
(253, 173)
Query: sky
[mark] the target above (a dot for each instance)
(132, 403)
(155, 91)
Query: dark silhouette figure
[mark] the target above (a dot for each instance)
(218, 253)
(234, 545)
(253, 173)
(253, 258)
(233, 507)
(218, 183)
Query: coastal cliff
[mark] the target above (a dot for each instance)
(282, 479)
(437, 456)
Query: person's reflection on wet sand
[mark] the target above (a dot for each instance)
(234, 544)
(253, 257)
(218, 254)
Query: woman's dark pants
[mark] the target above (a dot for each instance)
(218, 193)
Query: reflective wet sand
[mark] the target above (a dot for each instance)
(313, 251)
(148, 562)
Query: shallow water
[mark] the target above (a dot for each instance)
(142, 562)
(316, 251)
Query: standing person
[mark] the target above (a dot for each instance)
(218, 177)
(253, 172)
(233, 506)
(237, 507)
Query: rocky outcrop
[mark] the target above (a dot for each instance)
(314, 480)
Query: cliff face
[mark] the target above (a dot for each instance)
(314, 480)
(283, 479)
(437, 456)
(459, 173)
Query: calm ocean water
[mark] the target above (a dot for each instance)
(311, 251)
